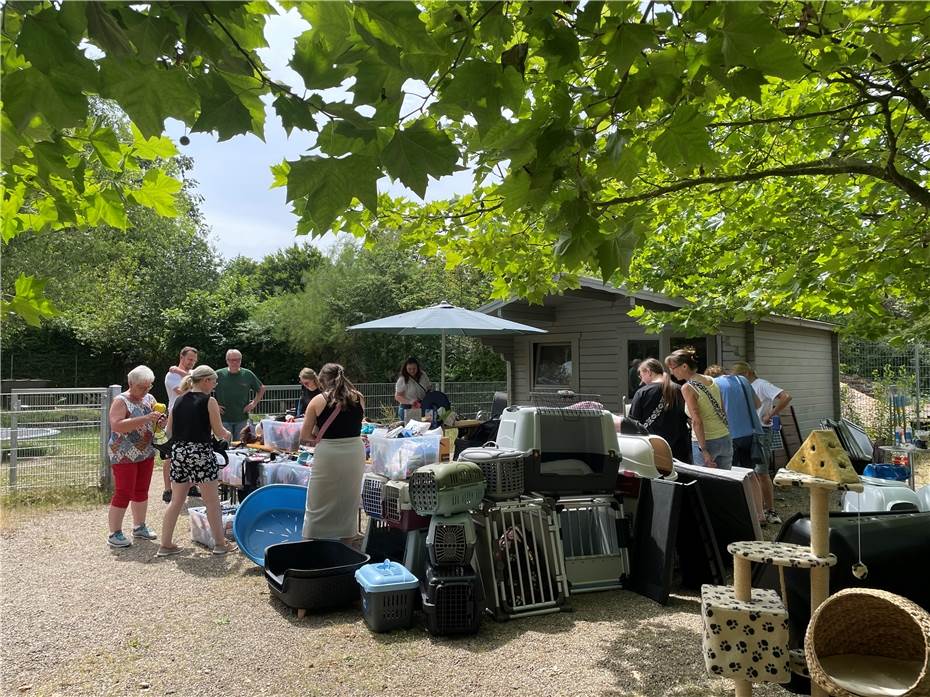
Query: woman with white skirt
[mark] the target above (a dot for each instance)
(334, 490)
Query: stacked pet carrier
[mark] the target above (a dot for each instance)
(395, 530)
(554, 526)
(451, 590)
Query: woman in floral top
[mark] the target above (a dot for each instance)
(132, 455)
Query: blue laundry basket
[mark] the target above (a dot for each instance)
(267, 516)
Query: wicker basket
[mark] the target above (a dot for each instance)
(868, 622)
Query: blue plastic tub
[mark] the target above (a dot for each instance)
(897, 473)
(268, 516)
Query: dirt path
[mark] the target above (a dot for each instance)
(79, 618)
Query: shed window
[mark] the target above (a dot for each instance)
(552, 364)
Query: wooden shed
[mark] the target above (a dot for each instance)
(592, 341)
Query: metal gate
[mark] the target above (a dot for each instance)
(51, 438)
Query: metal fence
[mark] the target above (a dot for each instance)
(51, 438)
(467, 398)
(883, 387)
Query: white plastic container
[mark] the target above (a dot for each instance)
(881, 495)
(200, 526)
(397, 458)
(283, 435)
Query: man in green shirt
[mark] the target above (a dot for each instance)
(234, 385)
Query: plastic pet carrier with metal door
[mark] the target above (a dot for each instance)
(398, 511)
(520, 558)
(503, 469)
(595, 541)
(452, 600)
(446, 488)
(451, 540)
(373, 495)
(578, 448)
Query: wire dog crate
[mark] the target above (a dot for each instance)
(596, 552)
(520, 558)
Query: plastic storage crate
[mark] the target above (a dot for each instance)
(520, 558)
(578, 448)
(313, 574)
(373, 495)
(446, 488)
(200, 526)
(595, 543)
(398, 511)
(503, 469)
(397, 458)
(451, 540)
(389, 592)
(282, 435)
(452, 600)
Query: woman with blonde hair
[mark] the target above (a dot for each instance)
(335, 485)
(711, 444)
(192, 424)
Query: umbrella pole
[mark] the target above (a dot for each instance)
(442, 375)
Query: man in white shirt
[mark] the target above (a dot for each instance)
(774, 400)
(186, 362)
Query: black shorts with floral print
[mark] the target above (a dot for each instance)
(193, 462)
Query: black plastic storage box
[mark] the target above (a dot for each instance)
(313, 574)
(452, 600)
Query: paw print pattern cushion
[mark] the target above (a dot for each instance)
(745, 641)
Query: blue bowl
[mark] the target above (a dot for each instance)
(267, 516)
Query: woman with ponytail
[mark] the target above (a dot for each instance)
(335, 485)
(659, 406)
(192, 424)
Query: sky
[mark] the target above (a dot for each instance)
(246, 215)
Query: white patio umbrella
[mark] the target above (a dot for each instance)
(445, 319)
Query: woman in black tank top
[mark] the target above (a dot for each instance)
(192, 423)
(338, 459)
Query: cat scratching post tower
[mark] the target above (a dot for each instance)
(746, 629)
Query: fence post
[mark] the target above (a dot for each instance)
(14, 437)
(107, 397)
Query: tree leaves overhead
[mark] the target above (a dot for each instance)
(738, 137)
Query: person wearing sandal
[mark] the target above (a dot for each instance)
(192, 423)
(335, 483)
(132, 455)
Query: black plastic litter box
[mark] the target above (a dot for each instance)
(313, 574)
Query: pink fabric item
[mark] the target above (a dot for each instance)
(587, 405)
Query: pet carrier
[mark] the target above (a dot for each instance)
(373, 495)
(452, 600)
(451, 540)
(503, 469)
(595, 542)
(389, 592)
(398, 511)
(446, 488)
(578, 448)
(520, 558)
(313, 574)
(381, 541)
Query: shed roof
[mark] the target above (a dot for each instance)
(593, 284)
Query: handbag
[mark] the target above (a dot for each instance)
(756, 450)
(315, 440)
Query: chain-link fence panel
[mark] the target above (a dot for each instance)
(885, 388)
(53, 438)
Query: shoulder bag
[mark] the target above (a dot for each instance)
(757, 450)
(718, 410)
(315, 440)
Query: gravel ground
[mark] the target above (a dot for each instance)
(79, 618)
